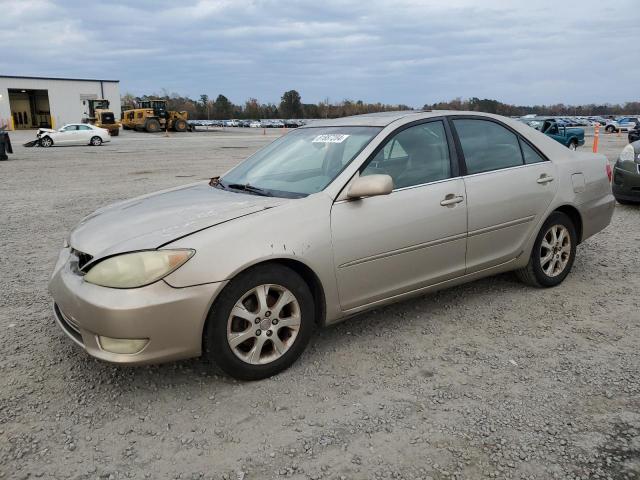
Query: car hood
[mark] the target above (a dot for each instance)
(150, 221)
(47, 130)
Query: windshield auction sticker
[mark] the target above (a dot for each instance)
(330, 138)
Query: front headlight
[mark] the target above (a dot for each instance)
(628, 153)
(131, 270)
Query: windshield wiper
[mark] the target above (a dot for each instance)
(245, 187)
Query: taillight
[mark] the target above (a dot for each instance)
(609, 171)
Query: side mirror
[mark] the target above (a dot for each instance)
(370, 186)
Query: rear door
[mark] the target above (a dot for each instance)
(509, 185)
(84, 134)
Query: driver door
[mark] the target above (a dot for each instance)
(414, 237)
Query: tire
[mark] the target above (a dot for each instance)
(254, 355)
(538, 273)
(610, 129)
(124, 127)
(115, 133)
(573, 145)
(95, 141)
(180, 125)
(622, 201)
(46, 142)
(152, 125)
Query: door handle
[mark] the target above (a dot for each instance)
(544, 178)
(451, 199)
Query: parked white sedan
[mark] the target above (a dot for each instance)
(74, 134)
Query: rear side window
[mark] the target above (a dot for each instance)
(487, 145)
(530, 155)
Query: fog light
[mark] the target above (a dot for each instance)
(122, 345)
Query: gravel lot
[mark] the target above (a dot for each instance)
(489, 380)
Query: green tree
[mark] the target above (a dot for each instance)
(203, 107)
(252, 109)
(223, 108)
(291, 105)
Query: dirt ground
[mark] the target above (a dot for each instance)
(488, 380)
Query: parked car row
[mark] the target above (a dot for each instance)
(610, 124)
(622, 124)
(265, 123)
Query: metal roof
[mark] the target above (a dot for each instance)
(59, 78)
(379, 119)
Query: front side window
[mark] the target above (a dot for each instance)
(83, 127)
(414, 156)
(300, 163)
(487, 146)
(70, 128)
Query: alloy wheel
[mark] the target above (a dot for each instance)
(263, 324)
(555, 250)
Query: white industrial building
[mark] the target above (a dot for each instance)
(33, 102)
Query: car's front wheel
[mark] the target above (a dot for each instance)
(96, 141)
(573, 145)
(46, 142)
(553, 253)
(610, 129)
(261, 322)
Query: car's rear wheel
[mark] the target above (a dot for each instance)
(610, 129)
(573, 145)
(261, 322)
(553, 253)
(46, 142)
(96, 141)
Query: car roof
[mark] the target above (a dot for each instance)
(382, 119)
(379, 119)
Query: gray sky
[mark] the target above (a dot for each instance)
(408, 51)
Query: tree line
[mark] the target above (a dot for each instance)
(291, 106)
(494, 106)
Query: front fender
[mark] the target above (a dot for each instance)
(299, 230)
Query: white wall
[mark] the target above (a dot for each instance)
(64, 97)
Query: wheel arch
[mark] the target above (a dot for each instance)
(574, 214)
(308, 275)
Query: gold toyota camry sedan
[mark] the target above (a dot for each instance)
(330, 220)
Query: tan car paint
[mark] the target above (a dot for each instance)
(364, 252)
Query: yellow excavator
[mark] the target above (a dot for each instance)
(152, 116)
(100, 116)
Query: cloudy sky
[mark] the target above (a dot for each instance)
(406, 51)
